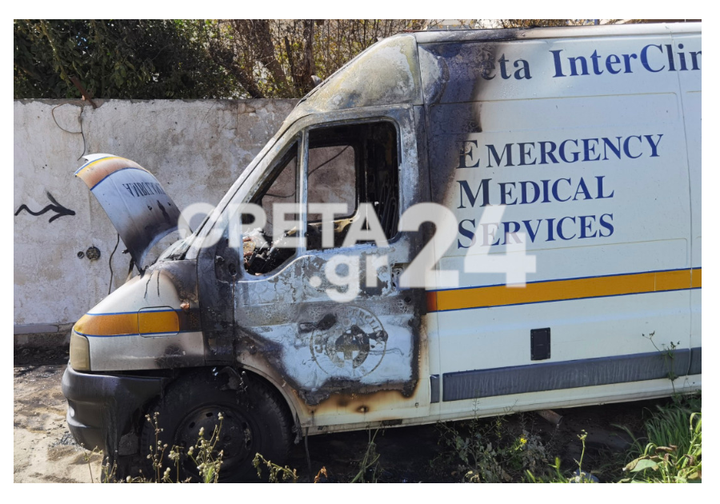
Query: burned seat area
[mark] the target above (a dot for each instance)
(348, 165)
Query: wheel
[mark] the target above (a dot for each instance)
(254, 421)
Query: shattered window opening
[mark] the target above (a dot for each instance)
(279, 187)
(348, 164)
(365, 154)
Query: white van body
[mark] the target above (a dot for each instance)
(560, 170)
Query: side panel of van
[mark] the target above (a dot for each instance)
(690, 89)
(585, 143)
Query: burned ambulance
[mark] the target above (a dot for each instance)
(455, 224)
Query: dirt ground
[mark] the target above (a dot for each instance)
(44, 450)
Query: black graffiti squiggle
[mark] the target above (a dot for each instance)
(56, 207)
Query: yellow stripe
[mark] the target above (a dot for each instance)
(115, 324)
(101, 168)
(158, 322)
(559, 290)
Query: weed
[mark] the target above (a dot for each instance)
(668, 354)
(673, 448)
(487, 452)
(557, 476)
(157, 449)
(370, 464)
(87, 455)
(284, 473)
(202, 454)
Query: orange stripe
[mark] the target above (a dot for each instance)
(697, 278)
(158, 322)
(101, 168)
(431, 301)
(559, 290)
(143, 322)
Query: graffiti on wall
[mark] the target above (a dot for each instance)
(56, 207)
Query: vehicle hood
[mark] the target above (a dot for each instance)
(133, 199)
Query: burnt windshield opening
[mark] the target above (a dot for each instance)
(348, 165)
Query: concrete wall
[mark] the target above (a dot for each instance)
(196, 149)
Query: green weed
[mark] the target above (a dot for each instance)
(557, 476)
(370, 464)
(485, 452)
(202, 454)
(672, 450)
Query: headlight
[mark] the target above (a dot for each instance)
(79, 352)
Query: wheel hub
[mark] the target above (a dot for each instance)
(235, 437)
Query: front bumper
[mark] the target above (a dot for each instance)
(104, 411)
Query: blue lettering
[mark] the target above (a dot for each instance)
(466, 233)
(588, 150)
(606, 223)
(558, 63)
(586, 226)
(547, 153)
(644, 59)
(524, 72)
(582, 188)
(484, 185)
(498, 159)
(523, 192)
(600, 191)
(610, 63)
(506, 192)
(532, 233)
(555, 187)
(467, 153)
(653, 145)
(560, 230)
(562, 151)
(525, 148)
(626, 146)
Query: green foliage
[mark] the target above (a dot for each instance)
(557, 476)
(673, 448)
(172, 58)
(128, 59)
(485, 452)
(186, 59)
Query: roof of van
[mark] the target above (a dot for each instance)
(387, 72)
(427, 37)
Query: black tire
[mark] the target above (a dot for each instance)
(254, 421)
